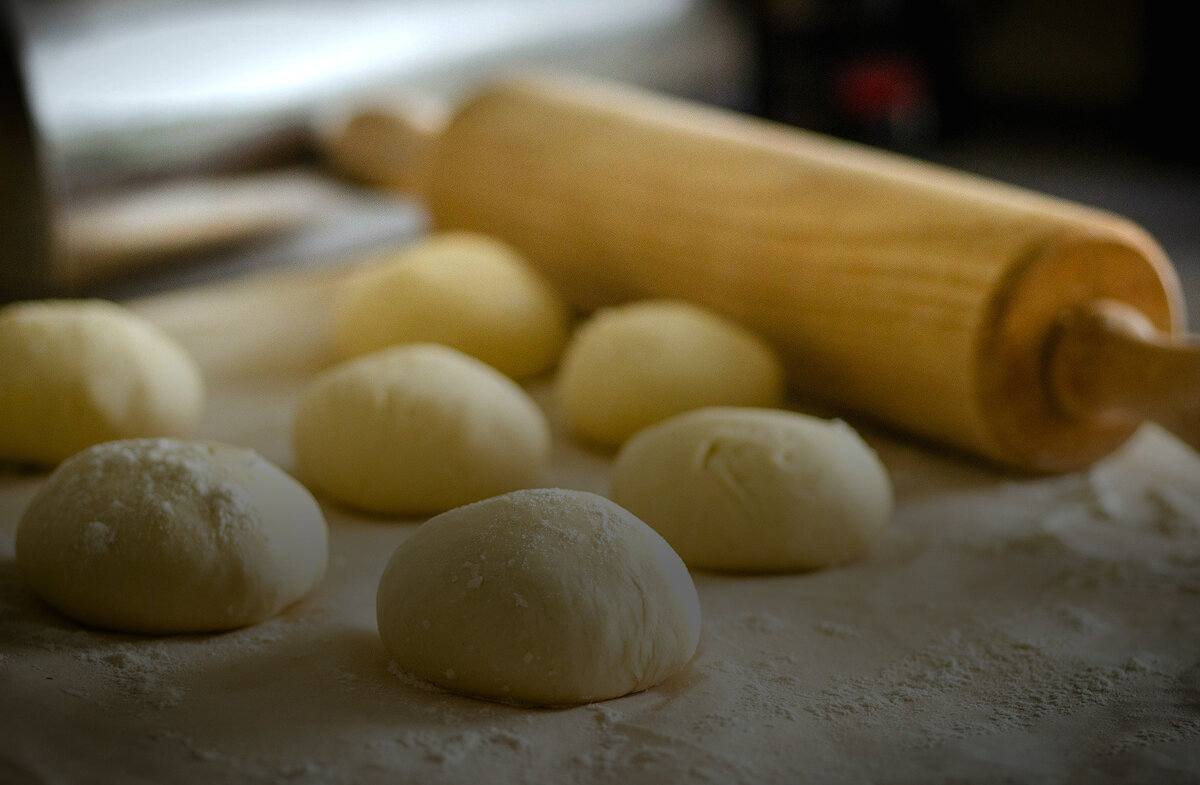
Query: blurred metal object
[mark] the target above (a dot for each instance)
(125, 93)
(24, 225)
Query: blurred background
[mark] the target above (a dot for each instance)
(149, 144)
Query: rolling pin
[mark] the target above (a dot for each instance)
(1029, 330)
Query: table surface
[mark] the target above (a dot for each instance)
(1005, 628)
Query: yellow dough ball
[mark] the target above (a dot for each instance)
(755, 489)
(461, 289)
(418, 429)
(631, 366)
(74, 373)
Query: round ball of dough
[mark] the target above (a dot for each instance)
(755, 489)
(545, 597)
(166, 536)
(418, 429)
(631, 366)
(74, 373)
(461, 289)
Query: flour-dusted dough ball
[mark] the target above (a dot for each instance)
(418, 429)
(755, 489)
(461, 289)
(74, 373)
(545, 597)
(631, 366)
(168, 536)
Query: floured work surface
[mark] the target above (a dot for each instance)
(1038, 629)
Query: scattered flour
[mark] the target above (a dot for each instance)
(1054, 621)
(835, 630)
(757, 622)
(412, 681)
(452, 749)
(1013, 683)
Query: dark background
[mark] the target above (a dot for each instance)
(1088, 101)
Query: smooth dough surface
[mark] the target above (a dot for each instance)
(461, 289)
(755, 489)
(169, 536)
(74, 373)
(544, 597)
(634, 365)
(418, 429)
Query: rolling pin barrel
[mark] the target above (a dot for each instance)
(928, 299)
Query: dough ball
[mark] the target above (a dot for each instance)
(74, 373)
(168, 536)
(545, 597)
(755, 489)
(461, 289)
(631, 366)
(418, 429)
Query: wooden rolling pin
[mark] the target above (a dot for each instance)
(1030, 330)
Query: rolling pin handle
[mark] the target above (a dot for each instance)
(1106, 363)
(386, 143)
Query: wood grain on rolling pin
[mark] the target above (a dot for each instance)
(917, 295)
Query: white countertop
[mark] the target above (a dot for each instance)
(1006, 628)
